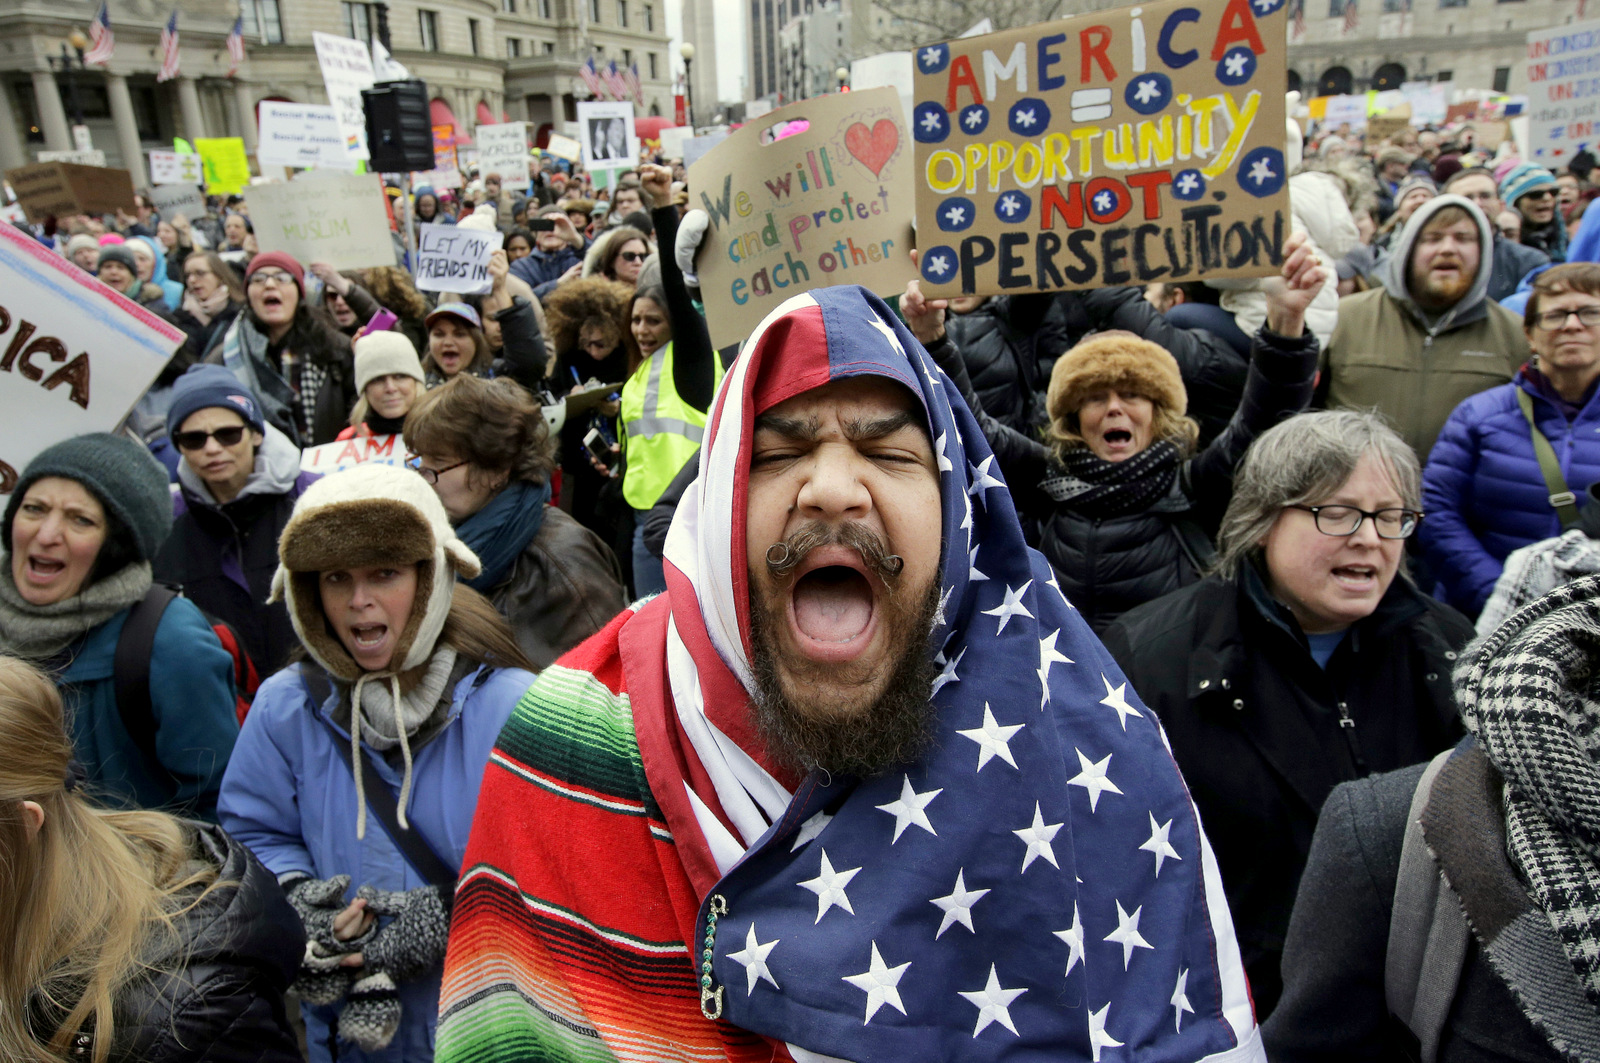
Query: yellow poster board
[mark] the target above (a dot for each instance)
(227, 167)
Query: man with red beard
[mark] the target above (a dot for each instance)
(861, 785)
(1429, 337)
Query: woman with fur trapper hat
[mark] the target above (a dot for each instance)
(409, 678)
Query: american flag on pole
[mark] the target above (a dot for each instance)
(1297, 20)
(101, 42)
(236, 46)
(591, 77)
(636, 90)
(169, 49)
(614, 82)
(1351, 16)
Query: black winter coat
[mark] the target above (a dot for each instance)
(1000, 342)
(1260, 730)
(562, 588)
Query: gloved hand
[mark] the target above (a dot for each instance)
(318, 902)
(415, 938)
(691, 230)
(371, 1013)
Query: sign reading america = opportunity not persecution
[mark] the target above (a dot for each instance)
(1119, 147)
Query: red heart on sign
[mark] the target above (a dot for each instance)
(873, 147)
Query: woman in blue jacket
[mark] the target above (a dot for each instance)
(368, 566)
(81, 527)
(1483, 489)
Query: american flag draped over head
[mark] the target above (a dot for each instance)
(591, 77)
(1351, 16)
(236, 46)
(101, 41)
(1037, 886)
(169, 48)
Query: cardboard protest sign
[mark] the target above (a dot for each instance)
(348, 453)
(1382, 127)
(452, 259)
(76, 354)
(63, 188)
(830, 205)
(172, 168)
(564, 148)
(346, 70)
(301, 134)
(1461, 112)
(503, 150)
(1563, 108)
(338, 219)
(84, 157)
(1119, 147)
(605, 130)
(227, 168)
(173, 200)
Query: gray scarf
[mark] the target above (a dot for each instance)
(386, 719)
(39, 632)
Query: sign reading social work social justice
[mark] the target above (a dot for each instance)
(452, 259)
(346, 70)
(503, 151)
(830, 204)
(339, 220)
(1563, 90)
(301, 134)
(348, 453)
(74, 354)
(1121, 147)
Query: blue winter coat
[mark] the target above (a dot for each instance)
(191, 701)
(1484, 494)
(289, 796)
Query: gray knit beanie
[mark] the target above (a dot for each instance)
(120, 254)
(126, 478)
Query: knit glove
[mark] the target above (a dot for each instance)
(317, 901)
(415, 938)
(371, 1013)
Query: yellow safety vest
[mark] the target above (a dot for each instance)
(660, 430)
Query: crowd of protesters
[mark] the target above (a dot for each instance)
(249, 709)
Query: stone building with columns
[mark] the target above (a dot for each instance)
(483, 60)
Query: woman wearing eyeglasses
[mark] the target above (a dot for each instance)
(1307, 658)
(238, 481)
(1486, 489)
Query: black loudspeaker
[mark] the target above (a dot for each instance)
(399, 131)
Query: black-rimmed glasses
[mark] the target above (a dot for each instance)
(1345, 521)
(432, 475)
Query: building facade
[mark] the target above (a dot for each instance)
(484, 61)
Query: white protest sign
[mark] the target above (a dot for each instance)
(606, 132)
(452, 259)
(337, 219)
(171, 168)
(503, 150)
(1562, 106)
(672, 138)
(87, 157)
(754, 109)
(13, 212)
(78, 357)
(302, 134)
(564, 148)
(437, 179)
(348, 453)
(346, 70)
(173, 200)
(890, 68)
(696, 147)
(1345, 110)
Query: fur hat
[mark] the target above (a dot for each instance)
(1117, 360)
(370, 515)
(385, 354)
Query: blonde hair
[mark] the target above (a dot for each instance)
(82, 900)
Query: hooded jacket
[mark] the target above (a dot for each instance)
(1413, 366)
(223, 555)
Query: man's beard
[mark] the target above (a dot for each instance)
(812, 735)
(1440, 295)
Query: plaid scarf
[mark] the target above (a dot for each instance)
(1098, 488)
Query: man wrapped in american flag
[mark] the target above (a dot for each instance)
(861, 785)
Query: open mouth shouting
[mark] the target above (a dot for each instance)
(1359, 578)
(839, 578)
(42, 571)
(369, 642)
(1118, 440)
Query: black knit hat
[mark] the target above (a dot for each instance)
(125, 477)
(122, 255)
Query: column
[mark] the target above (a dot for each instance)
(12, 152)
(247, 114)
(127, 128)
(52, 117)
(189, 105)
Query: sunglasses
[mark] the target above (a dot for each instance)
(227, 437)
(1543, 193)
(633, 256)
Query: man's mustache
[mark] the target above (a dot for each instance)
(786, 556)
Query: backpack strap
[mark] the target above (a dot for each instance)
(131, 671)
(1562, 500)
(1428, 932)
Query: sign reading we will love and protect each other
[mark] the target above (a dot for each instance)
(1119, 147)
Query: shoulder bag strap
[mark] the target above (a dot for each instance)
(1562, 500)
(131, 671)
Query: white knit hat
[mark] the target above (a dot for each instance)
(482, 219)
(385, 354)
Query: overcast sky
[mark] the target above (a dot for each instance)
(731, 30)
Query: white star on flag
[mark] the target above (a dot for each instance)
(957, 905)
(1048, 655)
(881, 984)
(1180, 1000)
(973, 119)
(973, 575)
(754, 958)
(910, 808)
(992, 739)
(947, 671)
(1127, 934)
(955, 215)
(1157, 843)
(1098, 1038)
(1188, 183)
(930, 121)
(1093, 778)
(1235, 63)
(938, 446)
(810, 829)
(1261, 171)
(829, 887)
(1027, 119)
(939, 265)
(993, 1004)
(944, 600)
(1038, 837)
(888, 334)
(1012, 606)
(1117, 699)
(1147, 91)
(982, 480)
(1073, 936)
(1103, 202)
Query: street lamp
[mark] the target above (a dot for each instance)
(68, 66)
(843, 75)
(687, 51)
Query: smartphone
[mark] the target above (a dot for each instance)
(541, 225)
(382, 321)
(595, 443)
